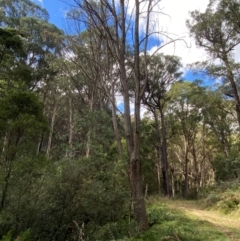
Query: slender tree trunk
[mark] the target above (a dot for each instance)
(173, 182)
(8, 161)
(5, 146)
(69, 152)
(115, 38)
(5, 162)
(195, 170)
(164, 153)
(186, 181)
(88, 148)
(159, 149)
(40, 142)
(115, 124)
(5, 185)
(51, 129)
(159, 176)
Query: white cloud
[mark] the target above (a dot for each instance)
(40, 1)
(173, 23)
(170, 18)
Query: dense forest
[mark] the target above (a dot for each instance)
(92, 123)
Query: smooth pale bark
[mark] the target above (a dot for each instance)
(173, 182)
(158, 165)
(69, 152)
(159, 149)
(115, 124)
(49, 144)
(186, 177)
(91, 108)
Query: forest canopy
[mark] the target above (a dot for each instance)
(92, 123)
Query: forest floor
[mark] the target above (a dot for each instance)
(184, 220)
(227, 224)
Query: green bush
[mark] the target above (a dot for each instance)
(48, 198)
(24, 236)
(157, 215)
(225, 197)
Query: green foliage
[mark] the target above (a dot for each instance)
(170, 224)
(11, 41)
(29, 44)
(21, 116)
(25, 236)
(224, 197)
(14, 10)
(158, 215)
(227, 168)
(21, 103)
(47, 197)
(148, 155)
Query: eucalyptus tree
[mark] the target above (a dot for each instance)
(220, 118)
(28, 47)
(93, 75)
(11, 45)
(186, 109)
(21, 120)
(114, 22)
(40, 38)
(163, 71)
(217, 31)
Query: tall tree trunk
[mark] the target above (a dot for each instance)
(116, 38)
(185, 194)
(159, 148)
(5, 146)
(115, 124)
(69, 152)
(88, 147)
(230, 76)
(5, 185)
(51, 129)
(164, 153)
(9, 157)
(135, 162)
(173, 182)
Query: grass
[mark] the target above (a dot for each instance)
(181, 220)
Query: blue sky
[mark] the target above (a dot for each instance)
(58, 8)
(206, 80)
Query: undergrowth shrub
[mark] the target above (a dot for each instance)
(170, 224)
(225, 197)
(228, 202)
(157, 215)
(24, 236)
